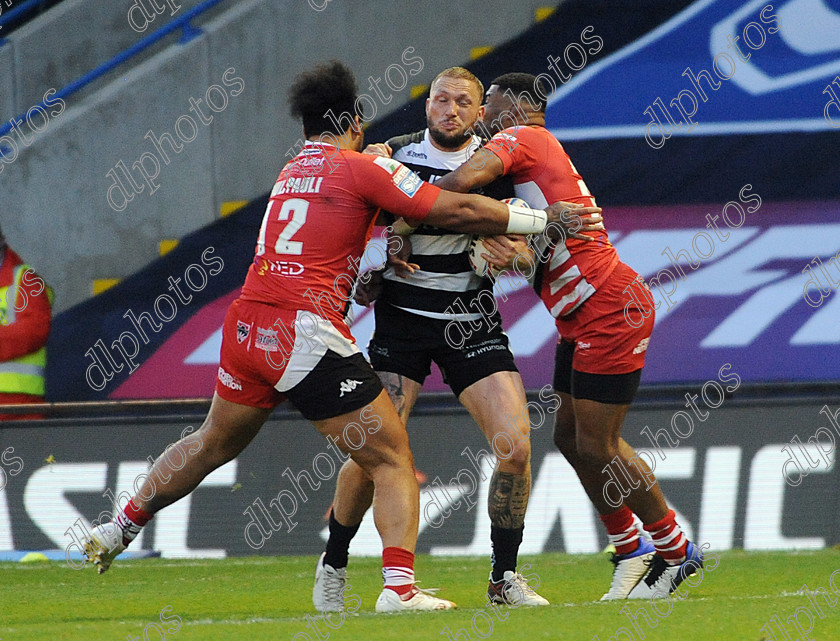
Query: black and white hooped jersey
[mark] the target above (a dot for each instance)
(445, 286)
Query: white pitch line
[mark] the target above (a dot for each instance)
(302, 619)
(176, 563)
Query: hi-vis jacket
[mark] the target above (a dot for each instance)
(25, 312)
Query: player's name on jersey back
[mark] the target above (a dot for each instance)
(311, 185)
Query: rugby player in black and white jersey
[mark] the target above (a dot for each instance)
(412, 312)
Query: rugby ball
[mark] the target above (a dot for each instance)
(479, 265)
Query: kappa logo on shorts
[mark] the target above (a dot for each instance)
(584, 345)
(267, 340)
(229, 380)
(642, 346)
(243, 330)
(348, 386)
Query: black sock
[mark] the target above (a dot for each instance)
(505, 550)
(339, 543)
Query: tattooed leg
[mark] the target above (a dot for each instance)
(402, 390)
(497, 403)
(508, 499)
(506, 505)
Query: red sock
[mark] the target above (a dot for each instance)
(130, 520)
(621, 530)
(137, 516)
(398, 570)
(668, 538)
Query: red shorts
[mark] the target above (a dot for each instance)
(270, 354)
(610, 331)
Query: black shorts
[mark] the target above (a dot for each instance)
(406, 344)
(335, 386)
(615, 389)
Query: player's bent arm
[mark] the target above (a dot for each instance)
(385, 184)
(482, 168)
(470, 213)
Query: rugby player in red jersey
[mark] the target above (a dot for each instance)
(286, 336)
(600, 355)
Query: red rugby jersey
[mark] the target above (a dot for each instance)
(319, 218)
(542, 174)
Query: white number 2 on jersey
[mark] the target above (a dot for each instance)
(296, 208)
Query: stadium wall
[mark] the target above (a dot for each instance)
(56, 209)
(726, 479)
(71, 39)
(7, 79)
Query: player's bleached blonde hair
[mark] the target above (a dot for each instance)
(461, 74)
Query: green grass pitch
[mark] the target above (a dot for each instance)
(269, 598)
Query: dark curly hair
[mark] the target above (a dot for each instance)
(525, 87)
(324, 98)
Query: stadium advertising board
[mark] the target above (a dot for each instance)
(756, 291)
(717, 67)
(740, 477)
